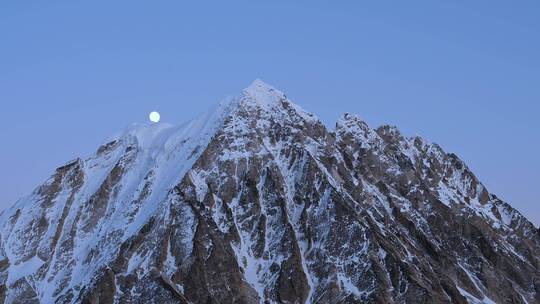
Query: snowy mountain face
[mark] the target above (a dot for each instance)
(258, 202)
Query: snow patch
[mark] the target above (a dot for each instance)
(24, 269)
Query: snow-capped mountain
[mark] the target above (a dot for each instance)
(257, 201)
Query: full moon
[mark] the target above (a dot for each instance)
(154, 116)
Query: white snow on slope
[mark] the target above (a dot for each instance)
(160, 152)
(154, 159)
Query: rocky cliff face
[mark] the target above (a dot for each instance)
(258, 202)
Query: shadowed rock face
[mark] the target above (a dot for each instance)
(258, 202)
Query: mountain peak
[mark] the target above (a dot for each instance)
(262, 93)
(256, 201)
(259, 85)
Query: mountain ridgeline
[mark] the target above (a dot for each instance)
(256, 201)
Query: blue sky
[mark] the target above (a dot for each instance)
(464, 74)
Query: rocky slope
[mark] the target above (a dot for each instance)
(258, 202)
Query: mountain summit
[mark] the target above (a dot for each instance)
(256, 201)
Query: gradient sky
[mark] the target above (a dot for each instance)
(464, 74)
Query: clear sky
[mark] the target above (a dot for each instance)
(464, 74)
